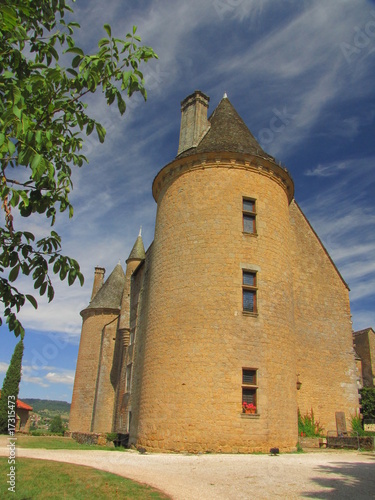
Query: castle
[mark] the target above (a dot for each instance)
(234, 318)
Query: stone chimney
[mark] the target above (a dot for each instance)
(98, 281)
(194, 123)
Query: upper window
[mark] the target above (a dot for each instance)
(249, 291)
(249, 215)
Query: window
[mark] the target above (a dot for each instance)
(128, 378)
(249, 390)
(249, 291)
(132, 333)
(249, 215)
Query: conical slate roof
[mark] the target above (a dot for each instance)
(138, 250)
(228, 133)
(110, 294)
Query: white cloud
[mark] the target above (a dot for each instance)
(3, 367)
(34, 380)
(326, 170)
(66, 377)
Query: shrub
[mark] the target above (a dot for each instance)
(357, 429)
(368, 402)
(56, 425)
(111, 436)
(307, 426)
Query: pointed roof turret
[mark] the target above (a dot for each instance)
(228, 132)
(138, 250)
(110, 294)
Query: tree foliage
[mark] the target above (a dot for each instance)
(56, 426)
(11, 386)
(368, 402)
(43, 119)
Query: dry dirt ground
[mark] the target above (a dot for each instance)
(324, 474)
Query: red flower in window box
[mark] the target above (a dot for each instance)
(248, 407)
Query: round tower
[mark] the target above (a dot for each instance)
(220, 316)
(93, 392)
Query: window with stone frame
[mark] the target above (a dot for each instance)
(128, 378)
(249, 291)
(249, 215)
(249, 390)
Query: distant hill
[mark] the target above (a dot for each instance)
(48, 405)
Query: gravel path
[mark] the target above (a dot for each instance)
(324, 474)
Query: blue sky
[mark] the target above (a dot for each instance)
(299, 73)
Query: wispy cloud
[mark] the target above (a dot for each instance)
(326, 170)
(54, 375)
(3, 367)
(345, 221)
(61, 377)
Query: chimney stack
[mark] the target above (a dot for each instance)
(194, 123)
(98, 281)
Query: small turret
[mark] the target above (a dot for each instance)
(137, 254)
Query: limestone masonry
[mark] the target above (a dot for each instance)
(234, 318)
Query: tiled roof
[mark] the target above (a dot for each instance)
(23, 406)
(228, 133)
(110, 294)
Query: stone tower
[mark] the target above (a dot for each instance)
(93, 392)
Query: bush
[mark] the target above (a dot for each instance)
(40, 432)
(111, 436)
(368, 402)
(56, 425)
(357, 429)
(307, 426)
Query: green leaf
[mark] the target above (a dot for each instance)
(13, 275)
(100, 130)
(76, 61)
(32, 301)
(75, 50)
(50, 293)
(11, 147)
(90, 127)
(121, 103)
(108, 29)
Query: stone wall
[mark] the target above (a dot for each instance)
(324, 350)
(364, 343)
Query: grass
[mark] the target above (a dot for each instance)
(44, 479)
(58, 443)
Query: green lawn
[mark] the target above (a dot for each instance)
(57, 443)
(43, 479)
